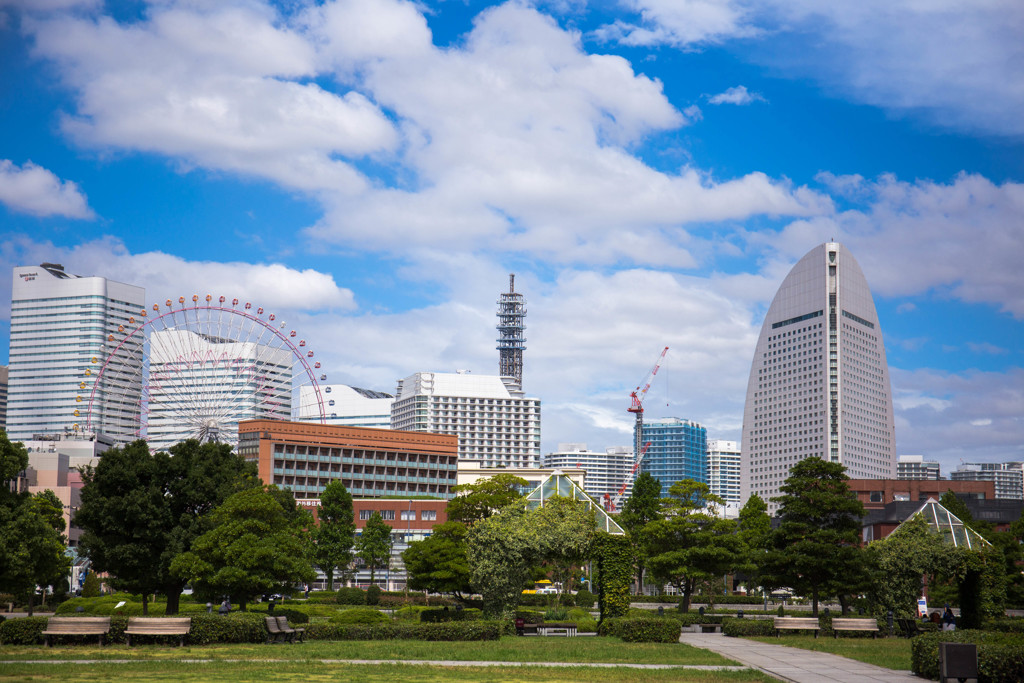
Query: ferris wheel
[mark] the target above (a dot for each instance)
(193, 369)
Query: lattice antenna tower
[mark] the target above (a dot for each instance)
(511, 326)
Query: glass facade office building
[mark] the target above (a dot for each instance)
(678, 451)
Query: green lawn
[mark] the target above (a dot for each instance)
(891, 653)
(508, 649)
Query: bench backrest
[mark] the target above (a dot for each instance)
(283, 623)
(160, 622)
(88, 625)
(792, 622)
(272, 625)
(854, 622)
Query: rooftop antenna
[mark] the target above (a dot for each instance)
(511, 326)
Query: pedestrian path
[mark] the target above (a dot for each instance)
(794, 664)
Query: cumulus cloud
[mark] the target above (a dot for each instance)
(955, 64)
(271, 285)
(516, 138)
(34, 190)
(737, 95)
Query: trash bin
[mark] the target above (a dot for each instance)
(958, 661)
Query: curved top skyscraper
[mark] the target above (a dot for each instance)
(819, 383)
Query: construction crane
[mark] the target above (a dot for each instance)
(637, 407)
(610, 504)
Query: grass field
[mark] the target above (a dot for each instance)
(892, 653)
(508, 649)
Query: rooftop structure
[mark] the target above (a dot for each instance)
(916, 467)
(348, 406)
(60, 324)
(495, 423)
(819, 381)
(511, 327)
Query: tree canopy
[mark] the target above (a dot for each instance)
(483, 498)
(642, 507)
(439, 563)
(257, 544)
(373, 546)
(139, 510)
(816, 548)
(334, 537)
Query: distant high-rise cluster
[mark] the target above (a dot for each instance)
(60, 325)
(606, 470)
(1008, 476)
(916, 467)
(819, 383)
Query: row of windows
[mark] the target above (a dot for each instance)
(404, 515)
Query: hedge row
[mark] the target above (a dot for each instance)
(748, 627)
(241, 627)
(445, 631)
(1000, 655)
(641, 630)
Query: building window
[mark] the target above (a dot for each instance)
(365, 514)
(428, 515)
(408, 515)
(876, 496)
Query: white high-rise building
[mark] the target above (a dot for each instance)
(1008, 476)
(346, 406)
(497, 424)
(606, 470)
(819, 383)
(916, 467)
(59, 328)
(724, 468)
(201, 386)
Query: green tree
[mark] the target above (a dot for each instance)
(817, 543)
(373, 546)
(140, 510)
(257, 544)
(691, 544)
(334, 537)
(91, 586)
(754, 527)
(483, 498)
(35, 545)
(642, 507)
(562, 533)
(501, 553)
(903, 558)
(439, 563)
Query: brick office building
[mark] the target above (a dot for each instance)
(877, 493)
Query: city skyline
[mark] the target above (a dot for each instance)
(372, 172)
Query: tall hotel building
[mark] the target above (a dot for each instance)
(496, 423)
(59, 324)
(678, 451)
(606, 470)
(819, 383)
(724, 469)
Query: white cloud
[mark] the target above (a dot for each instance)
(738, 95)
(272, 285)
(956, 64)
(34, 190)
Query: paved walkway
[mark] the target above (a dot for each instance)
(794, 664)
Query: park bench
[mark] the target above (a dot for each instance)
(567, 630)
(278, 629)
(76, 626)
(708, 628)
(158, 626)
(796, 624)
(854, 624)
(910, 627)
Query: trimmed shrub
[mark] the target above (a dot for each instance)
(373, 595)
(1007, 625)
(1000, 655)
(351, 596)
(641, 630)
(91, 586)
(556, 614)
(237, 627)
(360, 615)
(23, 631)
(737, 628)
(586, 599)
(445, 631)
(436, 616)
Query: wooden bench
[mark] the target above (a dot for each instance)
(854, 624)
(796, 624)
(158, 626)
(910, 627)
(567, 630)
(278, 629)
(76, 626)
(300, 633)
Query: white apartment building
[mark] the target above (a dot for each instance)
(346, 406)
(1008, 476)
(916, 467)
(724, 469)
(60, 325)
(606, 471)
(496, 423)
(819, 381)
(201, 386)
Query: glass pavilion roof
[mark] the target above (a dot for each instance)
(559, 485)
(953, 531)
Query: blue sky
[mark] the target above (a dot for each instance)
(650, 169)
